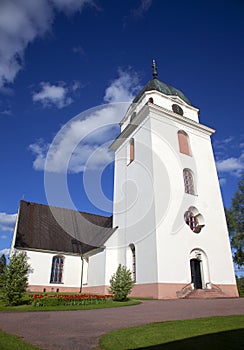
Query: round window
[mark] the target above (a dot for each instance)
(177, 109)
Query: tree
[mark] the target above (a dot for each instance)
(235, 221)
(240, 285)
(15, 278)
(121, 283)
(2, 263)
(2, 269)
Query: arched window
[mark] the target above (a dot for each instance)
(57, 269)
(183, 142)
(150, 100)
(133, 267)
(131, 151)
(188, 181)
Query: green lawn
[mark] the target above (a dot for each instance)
(108, 304)
(225, 333)
(11, 342)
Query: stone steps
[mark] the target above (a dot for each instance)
(205, 294)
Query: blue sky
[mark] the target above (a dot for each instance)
(71, 63)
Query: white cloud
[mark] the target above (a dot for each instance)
(142, 8)
(79, 49)
(6, 112)
(222, 181)
(78, 140)
(4, 236)
(5, 251)
(76, 85)
(40, 149)
(232, 165)
(228, 140)
(69, 6)
(7, 91)
(83, 142)
(21, 22)
(122, 89)
(53, 95)
(7, 222)
(230, 155)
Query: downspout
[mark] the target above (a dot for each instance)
(81, 277)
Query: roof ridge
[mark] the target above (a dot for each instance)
(54, 206)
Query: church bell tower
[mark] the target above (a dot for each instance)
(172, 231)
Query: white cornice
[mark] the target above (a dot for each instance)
(172, 98)
(91, 252)
(176, 117)
(139, 118)
(147, 110)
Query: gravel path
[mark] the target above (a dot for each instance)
(80, 330)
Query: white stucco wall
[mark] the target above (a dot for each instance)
(134, 210)
(175, 240)
(150, 200)
(41, 264)
(96, 270)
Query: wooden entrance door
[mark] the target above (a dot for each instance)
(196, 277)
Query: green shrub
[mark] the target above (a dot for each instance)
(15, 279)
(121, 283)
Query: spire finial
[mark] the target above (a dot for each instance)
(155, 72)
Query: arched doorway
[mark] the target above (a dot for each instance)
(196, 276)
(200, 277)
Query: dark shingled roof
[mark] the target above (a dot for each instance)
(166, 89)
(42, 227)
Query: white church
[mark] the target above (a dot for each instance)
(168, 225)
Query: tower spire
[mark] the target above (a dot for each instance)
(155, 72)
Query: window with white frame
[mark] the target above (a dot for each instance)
(188, 181)
(57, 269)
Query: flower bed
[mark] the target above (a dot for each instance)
(67, 299)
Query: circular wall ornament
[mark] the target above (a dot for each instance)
(177, 109)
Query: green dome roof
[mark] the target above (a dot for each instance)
(158, 85)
